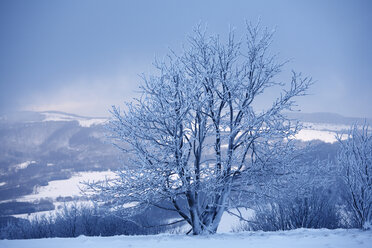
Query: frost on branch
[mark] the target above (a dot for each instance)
(196, 142)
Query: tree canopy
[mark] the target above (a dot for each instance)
(196, 142)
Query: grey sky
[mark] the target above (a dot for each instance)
(83, 56)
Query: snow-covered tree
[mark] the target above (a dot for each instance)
(355, 159)
(196, 139)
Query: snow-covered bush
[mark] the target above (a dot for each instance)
(75, 220)
(16, 229)
(355, 161)
(313, 211)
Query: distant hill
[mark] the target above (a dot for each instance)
(39, 147)
(331, 118)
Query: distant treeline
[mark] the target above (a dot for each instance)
(15, 207)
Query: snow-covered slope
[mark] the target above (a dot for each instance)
(49, 153)
(325, 132)
(300, 238)
(324, 126)
(67, 187)
(45, 116)
(82, 120)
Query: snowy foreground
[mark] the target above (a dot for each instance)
(296, 238)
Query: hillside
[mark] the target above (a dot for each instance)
(45, 155)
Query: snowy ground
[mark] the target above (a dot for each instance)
(64, 188)
(229, 221)
(321, 131)
(300, 238)
(83, 121)
(68, 187)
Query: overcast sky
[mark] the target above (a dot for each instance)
(84, 56)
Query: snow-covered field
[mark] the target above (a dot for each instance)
(83, 121)
(321, 131)
(67, 187)
(64, 188)
(300, 238)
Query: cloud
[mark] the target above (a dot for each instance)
(85, 96)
